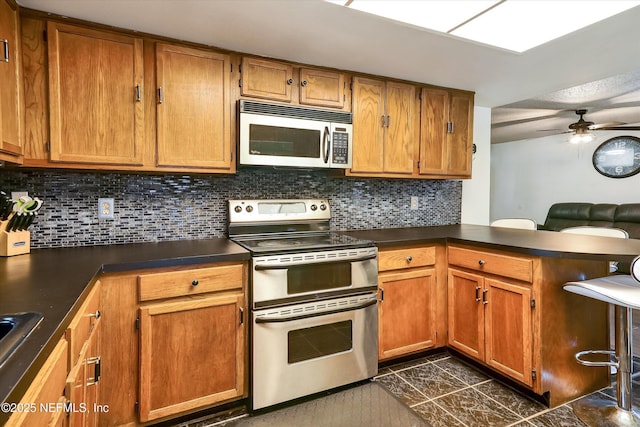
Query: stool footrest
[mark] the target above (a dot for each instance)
(609, 353)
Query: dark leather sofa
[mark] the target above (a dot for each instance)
(624, 216)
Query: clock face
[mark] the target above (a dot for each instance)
(618, 157)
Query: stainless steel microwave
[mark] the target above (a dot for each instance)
(292, 136)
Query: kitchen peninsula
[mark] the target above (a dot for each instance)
(57, 281)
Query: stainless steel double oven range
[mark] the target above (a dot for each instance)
(313, 299)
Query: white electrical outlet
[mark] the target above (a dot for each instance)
(105, 208)
(414, 203)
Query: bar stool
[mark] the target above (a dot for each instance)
(623, 291)
(524, 223)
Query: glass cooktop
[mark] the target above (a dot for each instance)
(300, 242)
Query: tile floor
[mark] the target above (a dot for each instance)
(447, 392)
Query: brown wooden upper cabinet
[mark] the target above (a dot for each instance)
(281, 81)
(384, 127)
(11, 112)
(446, 137)
(193, 109)
(95, 96)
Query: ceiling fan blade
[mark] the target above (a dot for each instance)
(618, 128)
(606, 125)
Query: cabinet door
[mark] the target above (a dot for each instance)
(11, 116)
(406, 312)
(321, 88)
(194, 108)
(266, 79)
(509, 333)
(461, 135)
(95, 96)
(191, 354)
(46, 390)
(433, 131)
(466, 313)
(399, 122)
(368, 131)
(83, 382)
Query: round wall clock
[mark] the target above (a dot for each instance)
(618, 157)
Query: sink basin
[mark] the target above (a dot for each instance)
(14, 328)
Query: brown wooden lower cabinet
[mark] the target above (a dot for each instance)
(510, 312)
(176, 342)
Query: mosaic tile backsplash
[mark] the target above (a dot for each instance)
(151, 208)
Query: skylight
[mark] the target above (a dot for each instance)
(516, 25)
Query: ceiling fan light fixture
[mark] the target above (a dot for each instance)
(581, 136)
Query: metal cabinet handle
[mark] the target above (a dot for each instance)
(478, 293)
(138, 93)
(453, 128)
(194, 282)
(160, 97)
(381, 294)
(481, 262)
(241, 315)
(290, 81)
(6, 51)
(96, 371)
(303, 83)
(484, 296)
(96, 314)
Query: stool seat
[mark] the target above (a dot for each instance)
(620, 289)
(623, 291)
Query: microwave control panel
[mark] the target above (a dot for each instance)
(340, 148)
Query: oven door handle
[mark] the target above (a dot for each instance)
(333, 261)
(307, 316)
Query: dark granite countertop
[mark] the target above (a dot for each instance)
(531, 242)
(54, 282)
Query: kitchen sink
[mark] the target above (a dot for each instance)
(14, 328)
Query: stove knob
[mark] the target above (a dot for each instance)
(238, 209)
(323, 207)
(249, 208)
(314, 207)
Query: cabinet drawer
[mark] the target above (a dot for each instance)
(189, 282)
(82, 324)
(395, 259)
(488, 262)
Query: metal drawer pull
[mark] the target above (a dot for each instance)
(285, 266)
(195, 282)
(484, 296)
(409, 258)
(307, 316)
(290, 81)
(96, 314)
(303, 83)
(477, 293)
(481, 262)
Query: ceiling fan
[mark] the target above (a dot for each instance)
(581, 129)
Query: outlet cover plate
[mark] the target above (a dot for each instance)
(105, 208)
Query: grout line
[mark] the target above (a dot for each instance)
(453, 416)
(499, 404)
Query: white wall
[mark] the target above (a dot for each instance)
(527, 177)
(475, 191)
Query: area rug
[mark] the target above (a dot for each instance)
(368, 405)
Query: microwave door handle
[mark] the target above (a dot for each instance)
(326, 143)
(307, 316)
(333, 261)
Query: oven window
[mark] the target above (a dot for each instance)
(319, 341)
(318, 277)
(282, 141)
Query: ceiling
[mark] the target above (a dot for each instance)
(550, 81)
